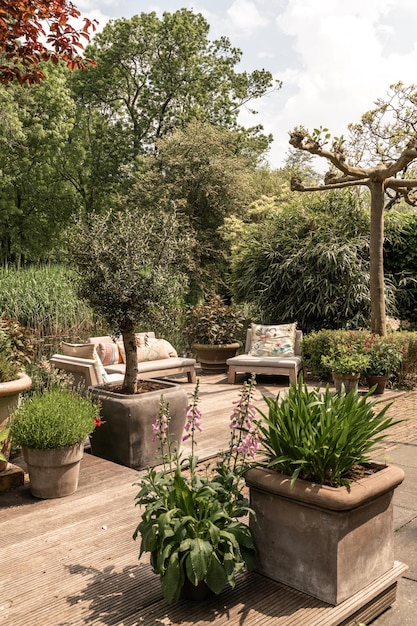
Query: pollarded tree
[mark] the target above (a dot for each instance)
(32, 31)
(379, 155)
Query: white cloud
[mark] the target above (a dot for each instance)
(341, 67)
(245, 15)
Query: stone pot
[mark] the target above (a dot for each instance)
(126, 436)
(53, 473)
(9, 399)
(328, 542)
(213, 358)
(350, 381)
(379, 381)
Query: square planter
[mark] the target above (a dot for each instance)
(324, 541)
(126, 436)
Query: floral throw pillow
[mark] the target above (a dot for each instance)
(273, 340)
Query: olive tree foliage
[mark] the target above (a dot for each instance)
(35, 199)
(131, 267)
(379, 154)
(152, 76)
(202, 172)
(307, 262)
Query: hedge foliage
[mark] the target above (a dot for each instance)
(318, 343)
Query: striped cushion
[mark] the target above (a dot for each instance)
(109, 353)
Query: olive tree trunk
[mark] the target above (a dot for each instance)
(131, 373)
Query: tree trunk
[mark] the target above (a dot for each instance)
(376, 253)
(131, 373)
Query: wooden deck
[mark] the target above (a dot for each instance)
(72, 561)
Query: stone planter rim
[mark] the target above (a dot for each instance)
(12, 387)
(107, 388)
(333, 498)
(218, 346)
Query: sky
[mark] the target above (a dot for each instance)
(334, 58)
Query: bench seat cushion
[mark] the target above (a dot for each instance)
(152, 366)
(264, 361)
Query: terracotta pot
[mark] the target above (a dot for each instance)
(379, 381)
(126, 436)
(350, 381)
(324, 541)
(53, 473)
(9, 399)
(213, 358)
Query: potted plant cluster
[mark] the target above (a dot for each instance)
(323, 509)
(346, 364)
(384, 358)
(212, 329)
(51, 427)
(16, 351)
(191, 522)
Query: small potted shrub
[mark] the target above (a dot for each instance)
(212, 329)
(191, 521)
(51, 428)
(346, 364)
(384, 358)
(319, 500)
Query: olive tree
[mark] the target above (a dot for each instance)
(378, 155)
(129, 264)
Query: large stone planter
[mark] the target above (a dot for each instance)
(324, 541)
(53, 473)
(213, 358)
(126, 436)
(9, 399)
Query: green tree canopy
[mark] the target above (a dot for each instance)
(152, 76)
(35, 199)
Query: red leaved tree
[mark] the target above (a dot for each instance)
(32, 31)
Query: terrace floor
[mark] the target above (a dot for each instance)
(72, 561)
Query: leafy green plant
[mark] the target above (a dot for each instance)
(345, 360)
(321, 436)
(384, 357)
(57, 418)
(213, 322)
(190, 522)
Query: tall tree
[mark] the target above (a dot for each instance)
(35, 199)
(379, 155)
(152, 76)
(201, 171)
(32, 31)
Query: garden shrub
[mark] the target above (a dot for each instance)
(319, 343)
